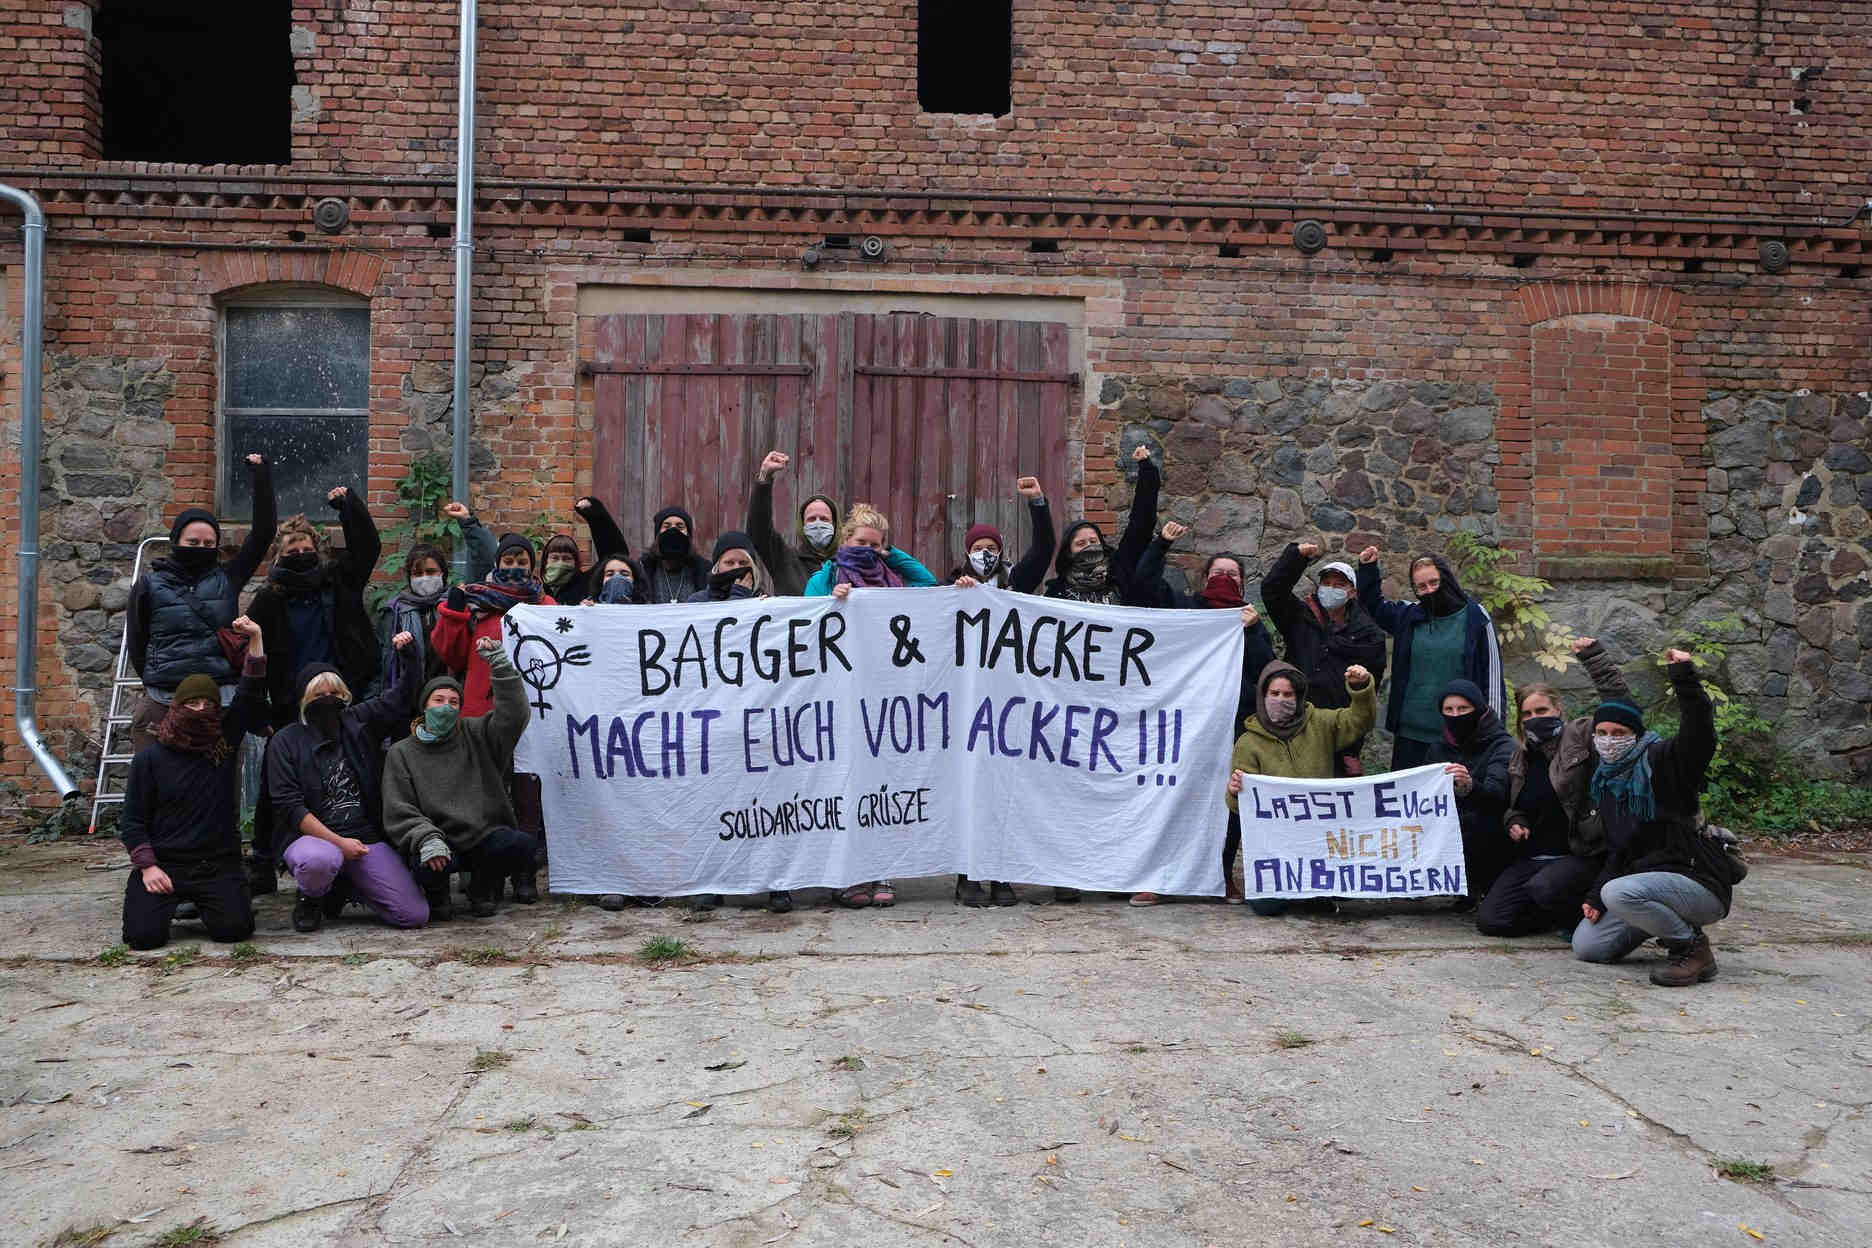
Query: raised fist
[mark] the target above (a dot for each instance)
(256, 459)
(1356, 676)
(1172, 530)
(1309, 550)
(246, 627)
(455, 509)
(337, 492)
(1674, 655)
(1140, 452)
(1027, 487)
(1579, 644)
(488, 647)
(775, 462)
(1368, 555)
(582, 506)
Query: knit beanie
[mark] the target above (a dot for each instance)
(439, 682)
(977, 532)
(656, 522)
(1619, 713)
(734, 539)
(519, 542)
(193, 515)
(199, 685)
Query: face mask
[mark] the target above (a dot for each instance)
(1281, 707)
(196, 558)
(559, 573)
(1462, 727)
(323, 713)
(617, 589)
(720, 583)
(1542, 729)
(426, 586)
(818, 532)
(984, 561)
(1610, 748)
(673, 544)
(439, 720)
(1087, 568)
(1332, 597)
(511, 576)
(303, 561)
(1221, 591)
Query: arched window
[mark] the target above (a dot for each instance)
(295, 386)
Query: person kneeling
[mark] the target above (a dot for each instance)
(445, 799)
(1662, 877)
(179, 804)
(325, 774)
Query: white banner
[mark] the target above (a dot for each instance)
(1394, 835)
(743, 746)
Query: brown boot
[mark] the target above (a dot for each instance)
(1691, 962)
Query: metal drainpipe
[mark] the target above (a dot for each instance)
(464, 265)
(26, 641)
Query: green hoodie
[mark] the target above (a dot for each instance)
(455, 789)
(1308, 751)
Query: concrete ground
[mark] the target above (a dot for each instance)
(924, 1075)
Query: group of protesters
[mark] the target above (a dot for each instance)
(390, 741)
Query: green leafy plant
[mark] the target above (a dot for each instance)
(664, 949)
(1513, 600)
(422, 491)
(179, 958)
(544, 526)
(246, 951)
(116, 955)
(197, 1232)
(1290, 1039)
(1745, 1171)
(1783, 806)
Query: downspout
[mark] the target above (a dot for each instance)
(26, 641)
(462, 424)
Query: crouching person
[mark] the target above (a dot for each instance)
(445, 799)
(325, 774)
(180, 803)
(1662, 877)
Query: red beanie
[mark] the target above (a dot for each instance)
(980, 531)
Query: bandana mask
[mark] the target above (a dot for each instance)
(439, 720)
(1542, 729)
(510, 576)
(1281, 708)
(558, 574)
(617, 589)
(673, 544)
(1611, 748)
(984, 561)
(196, 558)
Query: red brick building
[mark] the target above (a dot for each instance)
(1579, 278)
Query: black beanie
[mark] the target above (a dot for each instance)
(734, 539)
(193, 515)
(656, 521)
(1619, 713)
(516, 541)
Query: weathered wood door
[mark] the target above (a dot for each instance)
(928, 418)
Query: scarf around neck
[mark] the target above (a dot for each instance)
(193, 732)
(1629, 779)
(863, 567)
(295, 582)
(495, 599)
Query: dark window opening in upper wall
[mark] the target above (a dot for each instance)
(965, 56)
(199, 82)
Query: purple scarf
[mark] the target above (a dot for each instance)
(863, 567)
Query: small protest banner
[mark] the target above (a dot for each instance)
(756, 744)
(1391, 835)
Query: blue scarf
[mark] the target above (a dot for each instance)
(1629, 780)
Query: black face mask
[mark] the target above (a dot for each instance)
(324, 713)
(302, 562)
(720, 583)
(673, 544)
(1542, 729)
(1462, 727)
(196, 558)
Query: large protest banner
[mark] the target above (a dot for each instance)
(1394, 835)
(788, 743)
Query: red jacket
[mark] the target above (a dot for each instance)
(453, 641)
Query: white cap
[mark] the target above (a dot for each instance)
(1343, 569)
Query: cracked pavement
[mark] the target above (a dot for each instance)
(1187, 1074)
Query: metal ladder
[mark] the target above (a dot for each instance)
(125, 685)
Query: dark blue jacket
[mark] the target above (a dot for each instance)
(1481, 651)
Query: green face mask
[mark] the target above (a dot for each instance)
(439, 721)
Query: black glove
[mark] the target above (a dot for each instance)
(457, 601)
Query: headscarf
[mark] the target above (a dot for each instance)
(863, 567)
(1449, 597)
(1483, 712)
(1291, 729)
(1629, 779)
(837, 519)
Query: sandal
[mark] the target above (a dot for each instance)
(857, 897)
(882, 894)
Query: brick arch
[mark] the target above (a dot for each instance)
(1601, 459)
(1550, 300)
(344, 268)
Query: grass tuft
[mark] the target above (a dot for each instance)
(851, 1061)
(847, 1125)
(175, 960)
(664, 949)
(1745, 1171)
(196, 1232)
(490, 1059)
(486, 955)
(246, 951)
(1287, 1038)
(116, 955)
(82, 1237)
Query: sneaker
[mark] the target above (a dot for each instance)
(308, 913)
(702, 903)
(882, 894)
(1000, 894)
(857, 897)
(526, 888)
(780, 901)
(1067, 896)
(969, 892)
(1144, 899)
(186, 910)
(611, 901)
(1691, 962)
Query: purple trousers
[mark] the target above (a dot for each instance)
(378, 879)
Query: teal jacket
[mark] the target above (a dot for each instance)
(914, 574)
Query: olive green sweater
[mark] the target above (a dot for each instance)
(1309, 754)
(455, 789)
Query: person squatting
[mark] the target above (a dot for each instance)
(389, 762)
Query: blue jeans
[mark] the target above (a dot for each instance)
(1663, 904)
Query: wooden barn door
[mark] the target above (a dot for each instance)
(928, 418)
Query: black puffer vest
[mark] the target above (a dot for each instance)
(184, 617)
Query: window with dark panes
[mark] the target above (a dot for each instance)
(295, 386)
